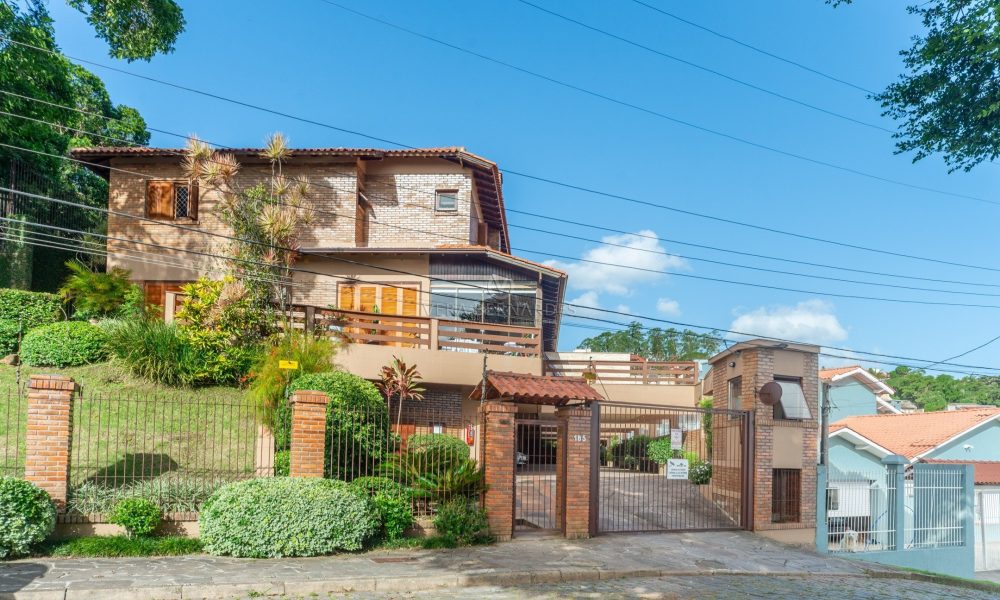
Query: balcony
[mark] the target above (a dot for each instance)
(629, 379)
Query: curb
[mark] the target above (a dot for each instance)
(391, 584)
(969, 584)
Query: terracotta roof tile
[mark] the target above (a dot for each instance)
(987, 471)
(911, 434)
(831, 373)
(537, 389)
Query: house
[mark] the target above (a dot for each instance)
(407, 252)
(853, 391)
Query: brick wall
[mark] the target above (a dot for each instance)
(308, 433)
(441, 404)
(48, 437)
(406, 200)
(573, 467)
(498, 464)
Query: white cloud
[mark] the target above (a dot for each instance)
(589, 299)
(623, 308)
(642, 250)
(810, 321)
(668, 307)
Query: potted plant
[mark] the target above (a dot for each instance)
(659, 451)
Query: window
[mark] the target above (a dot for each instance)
(384, 299)
(793, 405)
(833, 499)
(172, 200)
(786, 495)
(485, 302)
(446, 200)
(735, 391)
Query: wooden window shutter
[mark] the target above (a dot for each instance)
(367, 299)
(346, 299)
(193, 200)
(154, 292)
(409, 302)
(389, 300)
(160, 200)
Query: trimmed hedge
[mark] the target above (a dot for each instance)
(138, 516)
(274, 517)
(27, 516)
(8, 336)
(33, 308)
(64, 344)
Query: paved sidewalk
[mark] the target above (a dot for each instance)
(534, 561)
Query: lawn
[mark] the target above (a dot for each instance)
(133, 437)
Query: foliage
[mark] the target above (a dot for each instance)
(10, 330)
(357, 422)
(373, 485)
(286, 516)
(948, 98)
(138, 516)
(63, 344)
(659, 450)
(706, 425)
(170, 494)
(152, 349)
(27, 515)
(634, 447)
(282, 463)
(120, 547)
(267, 388)
(699, 472)
(95, 294)
(31, 308)
(395, 514)
(396, 380)
(462, 522)
(656, 343)
(134, 29)
(432, 480)
(438, 449)
(936, 392)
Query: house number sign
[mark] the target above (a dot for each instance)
(579, 438)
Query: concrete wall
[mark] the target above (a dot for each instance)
(654, 395)
(437, 366)
(844, 457)
(985, 443)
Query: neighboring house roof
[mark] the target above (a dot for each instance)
(487, 174)
(987, 471)
(442, 249)
(765, 343)
(857, 373)
(913, 434)
(536, 389)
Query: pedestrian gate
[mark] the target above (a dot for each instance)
(535, 474)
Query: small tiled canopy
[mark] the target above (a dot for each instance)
(535, 389)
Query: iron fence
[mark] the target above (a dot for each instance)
(535, 448)
(934, 496)
(13, 421)
(426, 452)
(672, 469)
(173, 451)
(859, 509)
(987, 530)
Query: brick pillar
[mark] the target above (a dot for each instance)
(49, 434)
(308, 433)
(573, 465)
(498, 464)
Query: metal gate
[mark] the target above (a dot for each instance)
(987, 532)
(672, 469)
(535, 475)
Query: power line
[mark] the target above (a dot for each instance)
(656, 113)
(434, 278)
(547, 232)
(947, 360)
(703, 68)
(529, 176)
(754, 48)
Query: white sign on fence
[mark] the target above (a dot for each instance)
(677, 468)
(676, 439)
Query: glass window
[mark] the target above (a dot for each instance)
(735, 391)
(522, 308)
(447, 200)
(793, 405)
(484, 302)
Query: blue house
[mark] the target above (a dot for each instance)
(855, 392)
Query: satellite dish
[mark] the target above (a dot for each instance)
(770, 393)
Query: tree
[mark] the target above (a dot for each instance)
(401, 382)
(937, 392)
(948, 100)
(656, 343)
(134, 29)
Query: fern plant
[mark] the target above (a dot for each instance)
(95, 294)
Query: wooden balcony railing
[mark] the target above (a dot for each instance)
(419, 332)
(635, 372)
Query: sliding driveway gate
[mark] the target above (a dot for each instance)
(671, 469)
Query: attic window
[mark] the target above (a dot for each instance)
(793, 405)
(446, 200)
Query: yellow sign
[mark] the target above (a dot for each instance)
(288, 365)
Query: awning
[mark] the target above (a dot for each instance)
(536, 389)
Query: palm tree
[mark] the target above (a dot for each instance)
(401, 381)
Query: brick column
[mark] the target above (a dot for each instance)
(498, 464)
(573, 465)
(308, 433)
(49, 434)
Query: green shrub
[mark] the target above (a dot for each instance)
(170, 493)
(138, 516)
(282, 463)
(395, 513)
(440, 450)
(372, 485)
(117, 546)
(357, 423)
(27, 516)
(150, 349)
(267, 388)
(95, 294)
(634, 447)
(462, 522)
(286, 516)
(8, 336)
(659, 450)
(64, 344)
(700, 472)
(31, 308)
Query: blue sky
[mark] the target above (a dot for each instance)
(312, 59)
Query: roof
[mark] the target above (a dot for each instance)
(765, 343)
(987, 471)
(442, 249)
(914, 434)
(536, 389)
(486, 173)
(857, 373)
